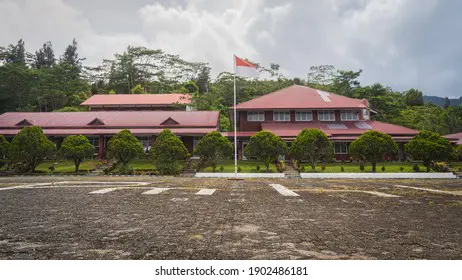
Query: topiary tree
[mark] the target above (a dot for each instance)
(124, 147)
(265, 146)
(312, 145)
(76, 148)
(166, 153)
(212, 148)
(372, 146)
(29, 147)
(4, 147)
(429, 146)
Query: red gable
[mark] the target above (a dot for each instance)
(301, 97)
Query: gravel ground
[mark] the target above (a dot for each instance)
(246, 219)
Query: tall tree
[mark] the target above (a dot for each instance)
(414, 97)
(447, 102)
(345, 82)
(45, 56)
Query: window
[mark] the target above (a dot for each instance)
(94, 140)
(281, 116)
(146, 141)
(326, 115)
(303, 116)
(255, 116)
(366, 114)
(349, 115)
(341, 148)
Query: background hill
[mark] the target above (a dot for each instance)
(439, 101)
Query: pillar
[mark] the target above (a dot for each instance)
(101, 147)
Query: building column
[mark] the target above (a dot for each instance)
(101, 147)
(400, 151)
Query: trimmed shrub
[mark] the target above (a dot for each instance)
(212, 148)
(167, 152)
(124, 147)
(313, 146)
(342, 169)
(401, 169)
(266, 147)
(416, 168)
(361, 166)
(76, 148)
(383, 168)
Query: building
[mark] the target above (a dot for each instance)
(139, 102)
(455, 138)
(99, 126)
(288, 111)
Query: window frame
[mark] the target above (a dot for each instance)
(281, 112)
(329, 120)
(253, 113)
(366, 114)
(341, 145)
(301, 112)
(353, 112)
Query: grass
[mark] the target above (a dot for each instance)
(390, 167)
(246, 166)
(67, 166)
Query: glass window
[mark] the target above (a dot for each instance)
(281, 116)
(94, 140)
(146, 141)
(366, 114)
(349, 115)
(326, 115)
(341, 148)
(303, 116)
(255, 116)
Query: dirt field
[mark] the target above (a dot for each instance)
(188, 218)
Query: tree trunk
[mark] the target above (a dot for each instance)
(313, 166)
(77, 164)
(374, 166)
(267, 167)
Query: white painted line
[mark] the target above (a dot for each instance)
(104, 191)
(283, 190)
(428, 190)
(380, 194)
(205, 192)
(155, 191)
(179, 199)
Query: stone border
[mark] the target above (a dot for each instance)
(445, 175)
(239, 175)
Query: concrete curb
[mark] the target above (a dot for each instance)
(445, 175)
(239, 175)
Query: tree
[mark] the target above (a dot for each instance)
(447, 102)
(138, 89)
(30, 146)
(413, 97)
(312, 145)
(45, 57)
(4, 147)
(167, 151)
(265, 146)
(372, 146)
(429, 146)
(345, 82)
(124, 147)
(212, 148)
(76, 148)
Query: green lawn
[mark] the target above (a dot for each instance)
(390, 167)
(67, 166)
(246, 166)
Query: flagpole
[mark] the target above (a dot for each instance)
(235, 126)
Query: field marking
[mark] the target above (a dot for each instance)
(428, 190)
(283, 190)
(380, 194)
(177, 199)
(205, 192)
(66, 184)
(104, 191)
(156, 191)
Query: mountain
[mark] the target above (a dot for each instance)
(440, 100)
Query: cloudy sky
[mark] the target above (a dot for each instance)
(400, 43)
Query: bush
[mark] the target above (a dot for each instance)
(239, 169)
(302, 169)
(312, 145)
(323, 167)
(29, 147)
(416, 168)
(401, 169)
(361, 166)
(76, 148)
(212, 148)
(222, 168)
(167, 152)
(280, 166)
(296, 164)
(342, 169)
(440, 166)
(383, 168)
(124, 147)
(266, 147)
(258, 167)
(4, 147)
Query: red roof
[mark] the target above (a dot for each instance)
(301, 97)
(111, 131)
(137, 99)
(334, 130)
(456, 137)
(110, 122)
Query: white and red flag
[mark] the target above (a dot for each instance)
(244, 68)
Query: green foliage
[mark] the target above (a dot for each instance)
(76, 148)
(266, 147)
(71, 109)
(212, 148)
(414, 97)
(166, 153)
(124, 147)
(29, 147)
(111, 92)
(4, 147)
(138, 89)
(312, 145)
(429, 146)
(372, 146)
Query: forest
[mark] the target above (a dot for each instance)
(42, 81)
